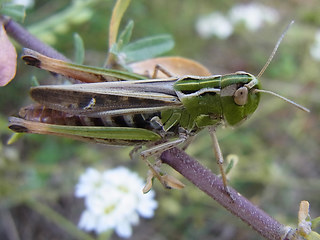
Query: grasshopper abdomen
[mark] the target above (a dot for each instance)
(40, 113)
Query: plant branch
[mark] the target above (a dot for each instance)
(27, 40)
(235, 203)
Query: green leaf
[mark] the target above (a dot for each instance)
(117, 13)
(148, 47)
(229, 167)
(16, 12)
(125, 35)
(123, 40)
(78, 48)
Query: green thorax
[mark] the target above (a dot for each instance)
(210, 101)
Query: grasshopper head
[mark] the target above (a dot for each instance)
(243, 97)
(240, 99)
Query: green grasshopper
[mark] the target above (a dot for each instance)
(127, 109)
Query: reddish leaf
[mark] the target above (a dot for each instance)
(8, 58)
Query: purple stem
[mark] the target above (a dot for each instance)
(27, 40)
(235, 203)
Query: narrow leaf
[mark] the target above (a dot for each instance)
(148, 48)
(8, 58)
(78, 48)
(117, 13)
(125, 35)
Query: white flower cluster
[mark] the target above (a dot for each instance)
(315, 47)
(252, 15)
(113, 200)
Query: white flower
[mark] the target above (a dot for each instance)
(113, 200)
(253, 15)
(214, 24)
(89, 183)
(109, 209)
(315, 47)
(131, 184)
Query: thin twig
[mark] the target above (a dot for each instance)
(238, 205)
(27, 40)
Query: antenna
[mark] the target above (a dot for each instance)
(283, 98)
(275, 49)
(267, 64)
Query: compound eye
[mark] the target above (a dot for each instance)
(241, 96)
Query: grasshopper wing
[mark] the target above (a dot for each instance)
(109, 98)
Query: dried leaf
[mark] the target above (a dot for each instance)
(177, 66)
(8, 58)
(172, 182)
(303, 211)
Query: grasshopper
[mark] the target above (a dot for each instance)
(128, 109)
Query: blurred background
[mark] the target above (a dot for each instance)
(278, 147)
